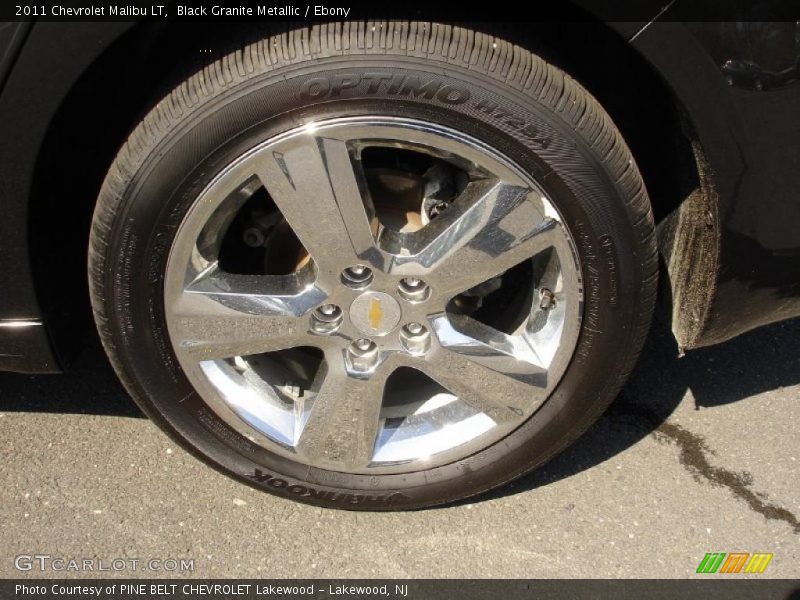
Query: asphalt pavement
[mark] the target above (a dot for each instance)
(699, 454)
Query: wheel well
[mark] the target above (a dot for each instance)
(121, 86)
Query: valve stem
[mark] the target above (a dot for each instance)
(548, 299)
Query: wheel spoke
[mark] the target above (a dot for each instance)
(342, 426)
(498, 376)
(491, 228)
(321, 193)
(221, 315)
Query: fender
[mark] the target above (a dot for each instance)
(745, 247)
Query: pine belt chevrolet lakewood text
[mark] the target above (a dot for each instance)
(386, 265)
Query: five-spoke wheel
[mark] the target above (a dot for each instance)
(375, 302)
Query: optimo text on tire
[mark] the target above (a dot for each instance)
(374, 265)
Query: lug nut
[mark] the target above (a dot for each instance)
(415, 338)
(328, 313)
(414, 289)
(414, 328)
(326, 318)
(363, 355)
(357, 276)
(328, 309)
(362, 346)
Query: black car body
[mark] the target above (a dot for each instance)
(720, 154)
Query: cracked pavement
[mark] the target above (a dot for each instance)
(698, 454)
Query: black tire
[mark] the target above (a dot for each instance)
(495, 91)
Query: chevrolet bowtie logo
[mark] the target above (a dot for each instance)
(375, 313)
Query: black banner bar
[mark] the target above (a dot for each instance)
(395, 589)
(320, 10)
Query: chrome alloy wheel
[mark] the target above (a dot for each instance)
(384, 347)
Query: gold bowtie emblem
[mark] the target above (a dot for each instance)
(375, 313)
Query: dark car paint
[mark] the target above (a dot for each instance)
(749, 135)
(12, 36)
(51, 60)
(751, 139)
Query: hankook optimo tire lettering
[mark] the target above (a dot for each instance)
(320, 88)
(374, 266)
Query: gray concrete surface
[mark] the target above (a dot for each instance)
(699, 454)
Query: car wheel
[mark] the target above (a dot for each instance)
(374, 266)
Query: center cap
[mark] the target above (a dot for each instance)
(375, 313)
